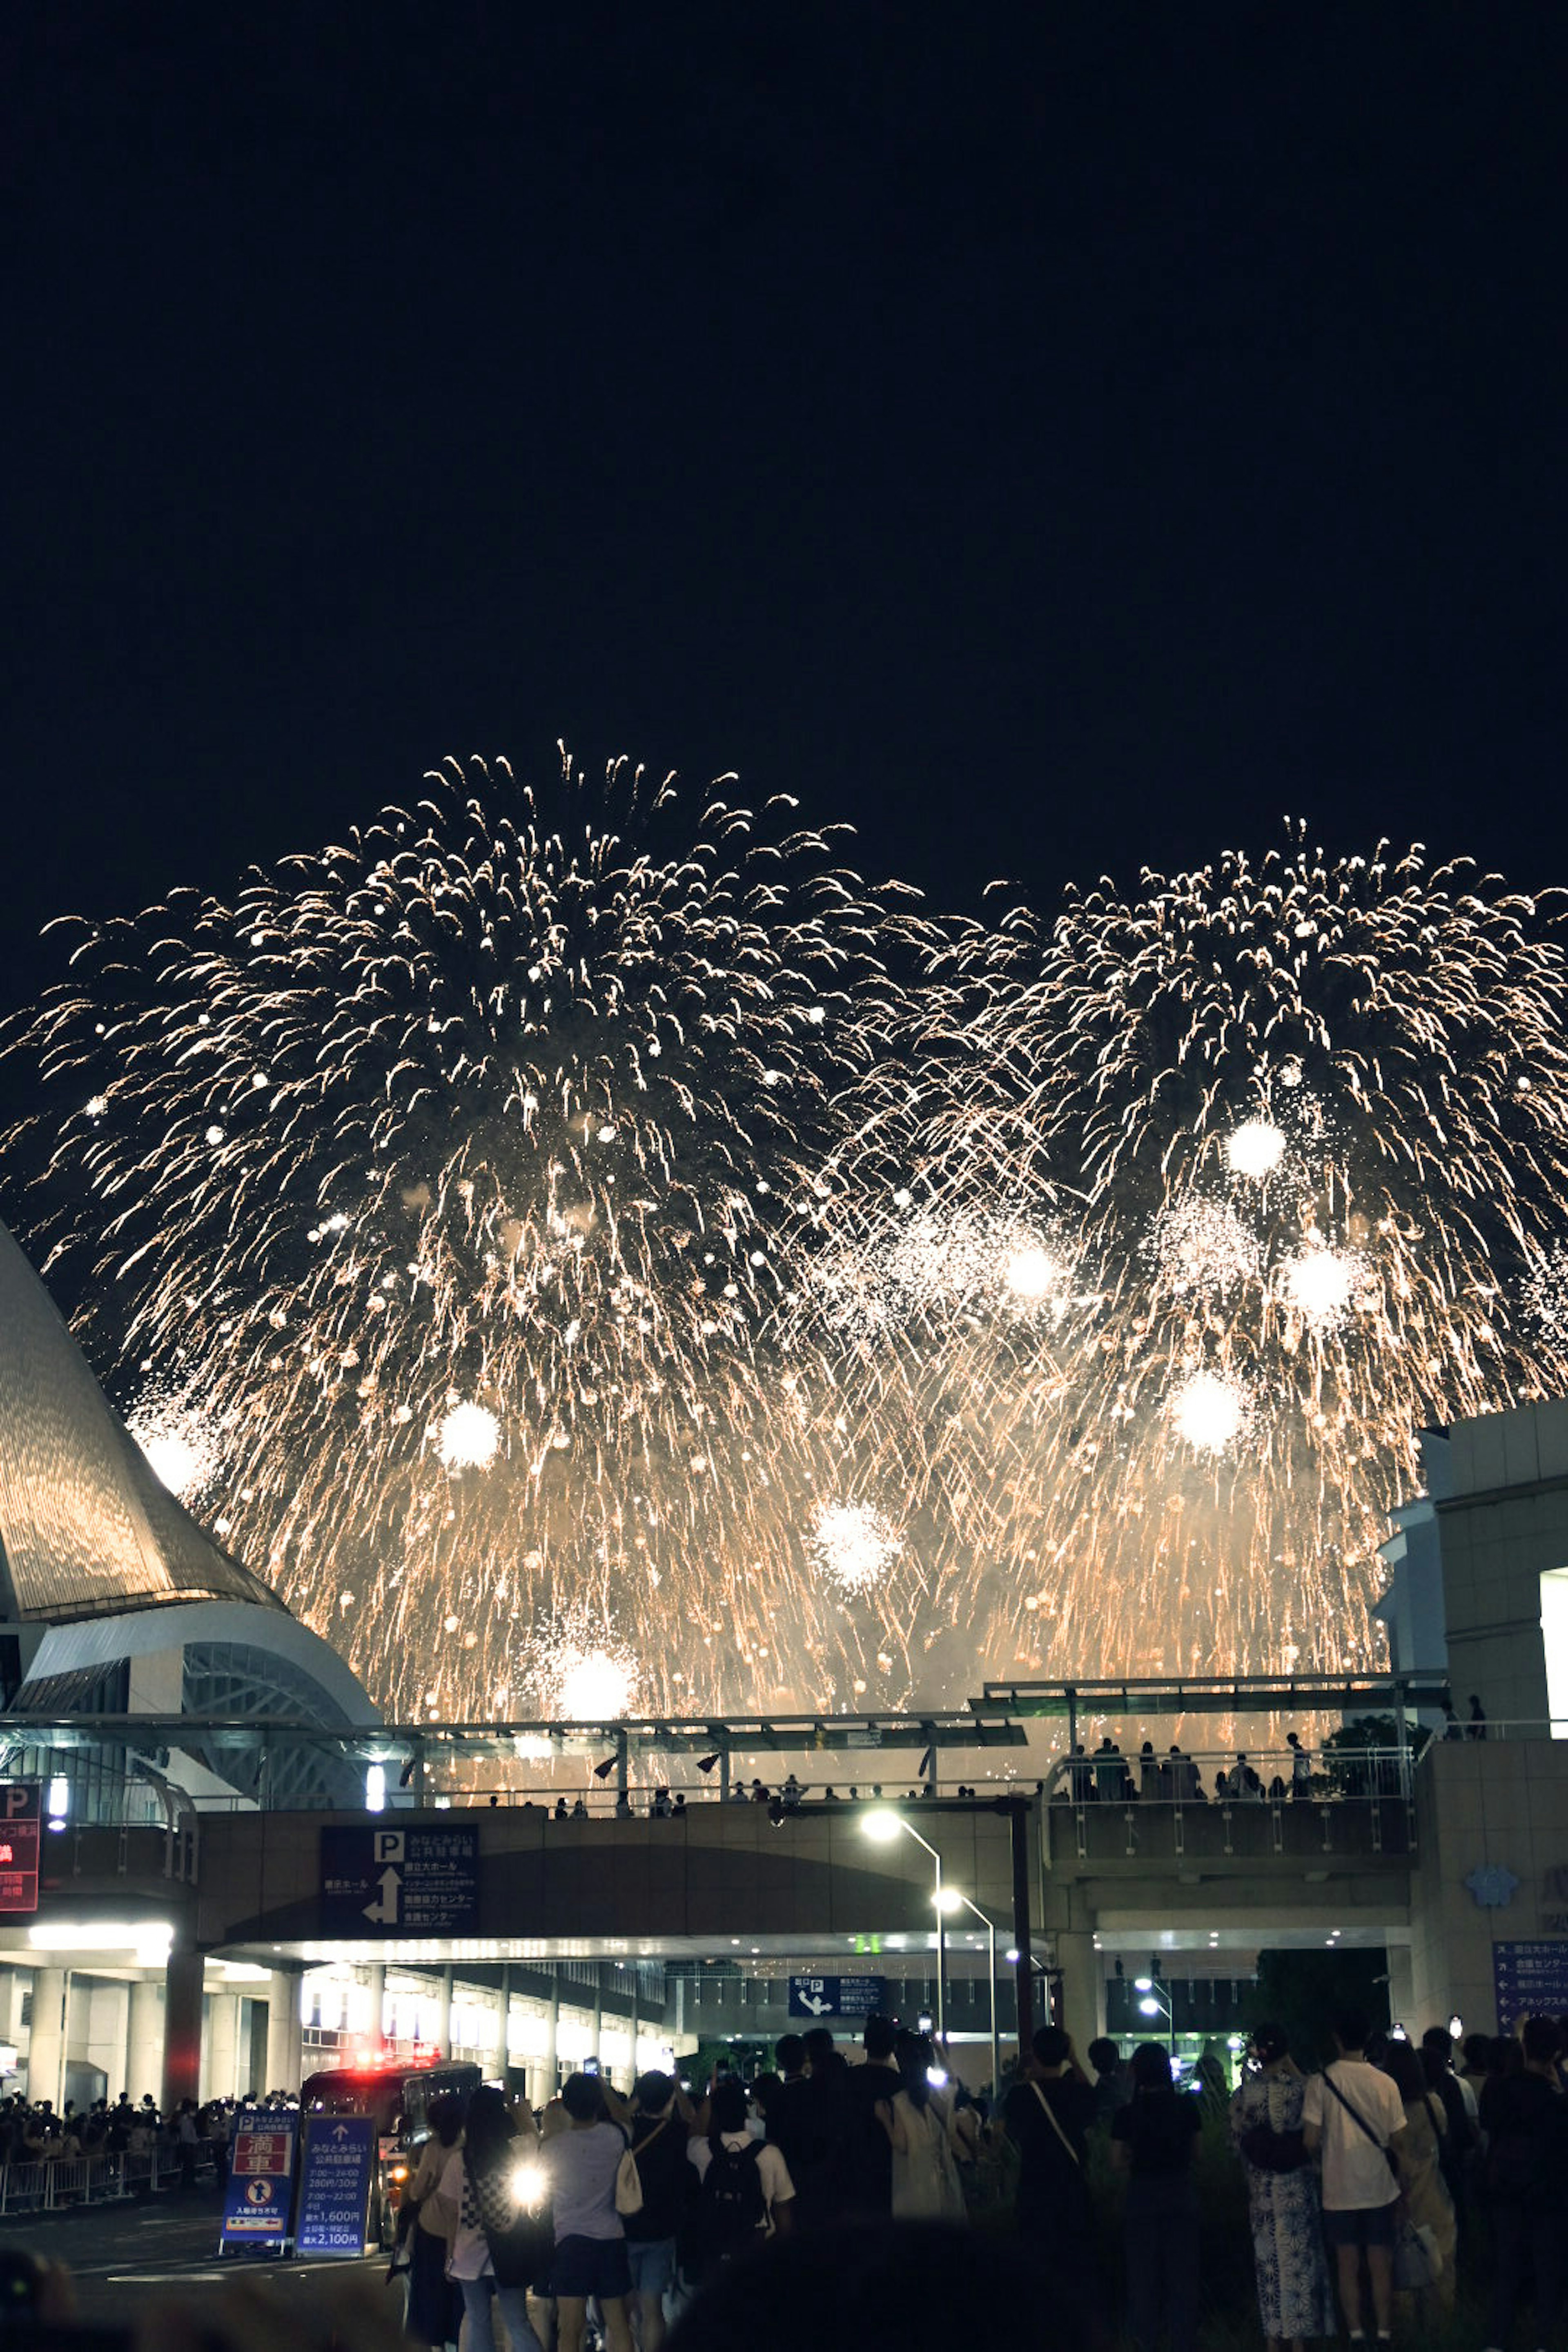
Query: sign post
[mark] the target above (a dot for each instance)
(1531, 1979)
(260, 2185)
(334, 2186)
(21, 1809)
(824, 1996)
(381, 1882)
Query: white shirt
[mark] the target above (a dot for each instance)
(470, 2256)
(1357, 2174)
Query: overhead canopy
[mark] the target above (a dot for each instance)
(85, 1530)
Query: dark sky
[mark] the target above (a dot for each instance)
(1051, 439)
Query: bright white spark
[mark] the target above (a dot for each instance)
(179, 1446)
(469, 1437)
(853, 1545)
(1255, 1148)
(1320, 1283)
(595, 1686)
(1031, 1273)
(580, 1668)
(1208, 1412)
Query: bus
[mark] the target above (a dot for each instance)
(397, 2093)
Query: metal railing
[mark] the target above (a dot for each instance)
(1504, 1727)
(118, 1771)
(50, 2185)
(1349, 1801)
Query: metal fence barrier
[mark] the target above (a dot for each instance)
(50, 2187)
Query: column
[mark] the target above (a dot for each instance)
(1402, 1991)
(507, 2069)
(221, 2056)
(598, 2005)
(551, 2060)
(284, 2070)
(181, 2028)
(446, 2011)
(376, 1973)
(46, 2045)
(1083, 1999)
(632, 1972)
(144, 2068)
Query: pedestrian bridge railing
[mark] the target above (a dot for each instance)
(1348, 1801)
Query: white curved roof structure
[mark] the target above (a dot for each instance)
(86, 1529)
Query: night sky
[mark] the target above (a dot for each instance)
(1049, 439)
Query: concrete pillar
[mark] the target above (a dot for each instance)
(46, 2043)
(252, 2047)
(144, 2068)
(598, 2005)
(1401, 1994)
(632, 1971)
(220, 2059)
(284, 2070)
(98, 2013)
(552, 2059)
(447, 2012)
(376, 1972)
(181, 2028)
(1083, 1997)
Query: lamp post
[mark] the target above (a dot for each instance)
(1154, 2001)
(954, 1899)
(884, 1826)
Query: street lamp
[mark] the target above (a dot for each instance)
(952, 1900)
(884, 1826)
(1154, 2001)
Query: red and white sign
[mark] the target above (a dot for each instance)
(21, 1809)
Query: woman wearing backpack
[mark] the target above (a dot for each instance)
(919, 2125)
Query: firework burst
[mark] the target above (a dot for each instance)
(1313, 1121)
(448, 1172)
(596, 1269)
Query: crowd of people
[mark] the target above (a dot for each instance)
(635, 2206)
(1380, 2175)
(1387, 2174)
(35, 2132)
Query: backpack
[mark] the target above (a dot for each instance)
(732, 2208)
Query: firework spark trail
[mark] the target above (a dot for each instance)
(594, 1269)
(1315, 1117)
(451, 1165)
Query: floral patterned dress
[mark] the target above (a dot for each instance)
(1293, 2292)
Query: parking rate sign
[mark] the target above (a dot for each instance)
(20, 1813)
(400, 1882)
(334, 2186)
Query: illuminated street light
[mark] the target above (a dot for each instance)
(883, 1826)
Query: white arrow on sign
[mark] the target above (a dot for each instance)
(385, 1910)
(817, 2006)
(343, 2130)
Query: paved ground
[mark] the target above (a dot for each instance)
(126, 2258)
